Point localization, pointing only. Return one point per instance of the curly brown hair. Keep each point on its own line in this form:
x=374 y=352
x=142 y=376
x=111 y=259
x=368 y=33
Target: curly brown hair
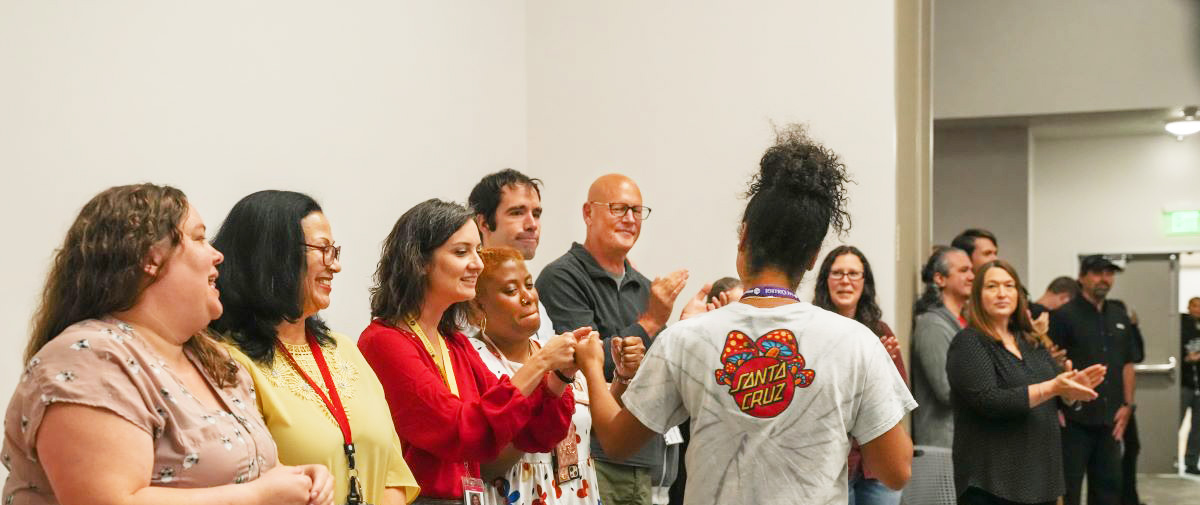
x=98 y=269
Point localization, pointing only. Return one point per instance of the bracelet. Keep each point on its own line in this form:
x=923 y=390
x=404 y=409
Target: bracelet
x=620 y=379
x=563 y=377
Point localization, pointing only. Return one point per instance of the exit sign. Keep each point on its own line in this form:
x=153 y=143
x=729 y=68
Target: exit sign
x=1183 y=222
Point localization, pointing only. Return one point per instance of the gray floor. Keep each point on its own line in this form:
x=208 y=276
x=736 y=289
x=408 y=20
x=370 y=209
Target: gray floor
x=1165 y=489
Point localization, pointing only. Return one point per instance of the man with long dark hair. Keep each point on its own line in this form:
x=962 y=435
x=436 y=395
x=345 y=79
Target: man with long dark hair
x=937 y=317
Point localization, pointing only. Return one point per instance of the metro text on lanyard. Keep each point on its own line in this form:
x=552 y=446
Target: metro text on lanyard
x=770 y=292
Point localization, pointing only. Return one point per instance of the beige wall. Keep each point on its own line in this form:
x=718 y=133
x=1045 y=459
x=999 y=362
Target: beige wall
x=1023 y=57
x=375 y=108
x=1106 y=194
x=681 y=96
x=370 y=110
x=981 y=180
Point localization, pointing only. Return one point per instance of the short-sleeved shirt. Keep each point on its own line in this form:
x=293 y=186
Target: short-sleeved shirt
x=1092 y=336
x=307 y=432
x=107 y=365
x=772 y=394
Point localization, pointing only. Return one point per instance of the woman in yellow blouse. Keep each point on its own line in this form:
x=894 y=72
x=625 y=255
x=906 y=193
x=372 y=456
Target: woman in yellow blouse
x=321 y=400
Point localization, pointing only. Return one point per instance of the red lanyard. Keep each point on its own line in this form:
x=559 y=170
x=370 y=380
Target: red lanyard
x=333 y=402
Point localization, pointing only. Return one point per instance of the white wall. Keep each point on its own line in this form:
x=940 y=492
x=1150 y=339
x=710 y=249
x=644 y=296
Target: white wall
x=375 y=108
x=1024 y=57
x=370 y=109
x=981 y=180
x=680 y=95
x=1106 y=194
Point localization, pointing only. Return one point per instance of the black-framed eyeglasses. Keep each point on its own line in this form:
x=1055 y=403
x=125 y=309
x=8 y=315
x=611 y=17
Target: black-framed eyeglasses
x=640 y=212
x=854 y=275
x=329 y=253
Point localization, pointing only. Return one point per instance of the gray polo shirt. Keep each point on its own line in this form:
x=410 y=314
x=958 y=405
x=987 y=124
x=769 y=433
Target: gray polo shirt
x=578 y=292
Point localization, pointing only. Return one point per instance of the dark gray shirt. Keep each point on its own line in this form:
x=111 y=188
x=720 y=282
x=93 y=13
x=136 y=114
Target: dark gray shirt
x=578 y=292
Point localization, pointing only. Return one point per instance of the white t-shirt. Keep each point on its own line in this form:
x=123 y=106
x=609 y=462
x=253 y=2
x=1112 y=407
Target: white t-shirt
x=772 y=394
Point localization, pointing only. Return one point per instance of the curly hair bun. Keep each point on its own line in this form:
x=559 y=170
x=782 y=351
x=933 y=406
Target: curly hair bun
x=798 y=194
x=801 y=166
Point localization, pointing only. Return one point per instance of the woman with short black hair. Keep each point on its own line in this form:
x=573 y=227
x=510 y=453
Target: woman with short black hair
x=280 y=261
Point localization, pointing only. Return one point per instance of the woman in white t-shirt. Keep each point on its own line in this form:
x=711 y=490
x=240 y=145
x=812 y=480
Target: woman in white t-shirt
x=507 y=304
x=772 y=385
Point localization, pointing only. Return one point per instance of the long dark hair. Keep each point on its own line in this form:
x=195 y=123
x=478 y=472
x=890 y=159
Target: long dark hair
x=931 y=297
x=867 y=311
x=402 y=276
x=98 y=269
x=1019 y=323
x=797 y=195
x=260 y=282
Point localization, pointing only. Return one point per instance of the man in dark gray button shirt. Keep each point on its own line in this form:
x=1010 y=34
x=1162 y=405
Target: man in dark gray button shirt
x=593 y=284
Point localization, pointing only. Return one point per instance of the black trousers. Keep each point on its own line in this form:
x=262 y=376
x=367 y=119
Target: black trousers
x=1133 y=446
x=976 y=496
x=1091 y=450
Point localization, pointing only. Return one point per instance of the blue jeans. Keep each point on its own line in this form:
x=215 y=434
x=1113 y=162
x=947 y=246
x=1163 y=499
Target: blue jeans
x=872 y=492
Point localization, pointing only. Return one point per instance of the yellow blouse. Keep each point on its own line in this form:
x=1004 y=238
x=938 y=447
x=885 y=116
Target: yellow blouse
x=307 y=433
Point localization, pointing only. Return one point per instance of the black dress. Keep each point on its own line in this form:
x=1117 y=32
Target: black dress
x=1002 y=446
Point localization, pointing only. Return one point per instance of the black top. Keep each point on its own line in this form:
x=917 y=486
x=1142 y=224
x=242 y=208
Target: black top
x=1001 y=445
x=1036 y=309
x=1089 y=337
x=577 y=292
x=1189 y=337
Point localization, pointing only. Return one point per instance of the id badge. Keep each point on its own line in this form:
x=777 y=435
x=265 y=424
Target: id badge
x=566 y=458
x=472 y=490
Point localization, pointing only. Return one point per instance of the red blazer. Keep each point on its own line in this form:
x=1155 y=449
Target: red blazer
x=444 y=436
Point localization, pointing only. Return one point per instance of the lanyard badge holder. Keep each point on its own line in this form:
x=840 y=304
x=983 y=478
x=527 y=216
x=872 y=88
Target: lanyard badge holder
x=333 y=402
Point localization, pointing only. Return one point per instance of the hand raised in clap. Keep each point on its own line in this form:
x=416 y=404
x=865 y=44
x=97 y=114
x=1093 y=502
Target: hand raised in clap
x=663 y=292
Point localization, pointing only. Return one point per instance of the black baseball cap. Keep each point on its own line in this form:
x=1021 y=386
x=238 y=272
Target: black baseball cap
x=1096 y=263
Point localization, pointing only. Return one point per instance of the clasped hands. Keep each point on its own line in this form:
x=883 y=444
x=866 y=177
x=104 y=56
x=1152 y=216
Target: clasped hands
x=583 y=349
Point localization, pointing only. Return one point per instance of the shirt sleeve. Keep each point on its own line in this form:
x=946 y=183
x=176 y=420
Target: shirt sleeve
x=398 y=473
x=930 y=344
x=654 y=397
x=565 y=300
x=972 y=371
x=884 y=399
x=93 y=368
x=550 y=421
x=1060 y=329
x=424 y=411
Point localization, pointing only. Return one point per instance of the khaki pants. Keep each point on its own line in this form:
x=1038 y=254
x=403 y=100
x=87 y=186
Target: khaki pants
x=622 y=484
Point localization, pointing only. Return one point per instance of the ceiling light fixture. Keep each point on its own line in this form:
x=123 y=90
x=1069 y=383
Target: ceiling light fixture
x=1187 y=125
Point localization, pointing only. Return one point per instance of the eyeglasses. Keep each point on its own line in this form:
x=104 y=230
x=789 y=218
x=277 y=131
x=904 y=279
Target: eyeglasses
x=329 y=253
x=640 y=212
x=854 y=275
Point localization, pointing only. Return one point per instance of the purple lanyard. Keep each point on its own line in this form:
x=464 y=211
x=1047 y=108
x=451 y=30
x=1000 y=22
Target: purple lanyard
x=770 y=292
